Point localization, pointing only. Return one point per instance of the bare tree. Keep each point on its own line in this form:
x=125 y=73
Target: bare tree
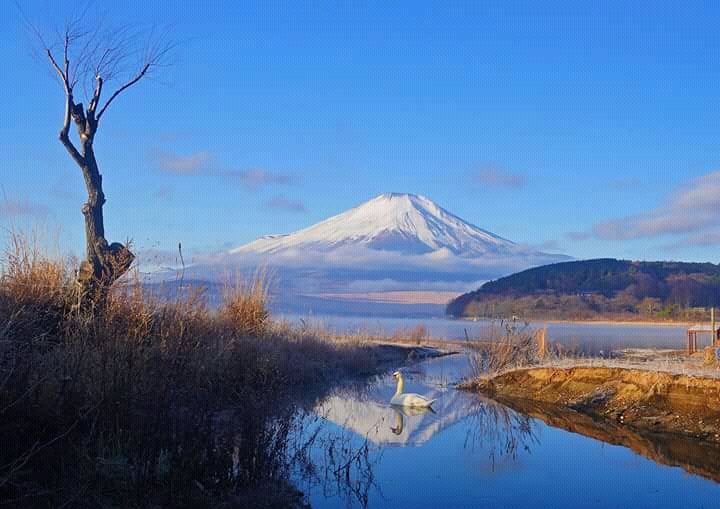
x=87 y=58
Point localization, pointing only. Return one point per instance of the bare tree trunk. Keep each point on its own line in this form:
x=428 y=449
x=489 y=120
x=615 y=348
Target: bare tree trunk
x=103 y=263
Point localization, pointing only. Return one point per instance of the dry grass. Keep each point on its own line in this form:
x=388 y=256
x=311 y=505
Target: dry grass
x=245 y=305
x=512 y=344
x=416 y=334
x=144 y=401
x=670 y=365
x=507 y=344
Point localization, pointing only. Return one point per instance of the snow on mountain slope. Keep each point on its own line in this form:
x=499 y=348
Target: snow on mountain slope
x=393 y=243
x=401 y=223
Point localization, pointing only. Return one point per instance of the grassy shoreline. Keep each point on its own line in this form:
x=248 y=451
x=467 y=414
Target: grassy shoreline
x=658 y=391
x=149 y=402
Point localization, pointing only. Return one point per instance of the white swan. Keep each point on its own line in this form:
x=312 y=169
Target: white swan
x=408 y=399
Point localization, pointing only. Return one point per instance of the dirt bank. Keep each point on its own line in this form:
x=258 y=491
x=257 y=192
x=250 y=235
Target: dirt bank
x=643 y=401
x=694 y=456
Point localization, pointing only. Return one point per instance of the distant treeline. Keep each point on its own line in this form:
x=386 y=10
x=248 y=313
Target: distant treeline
x=602 y=288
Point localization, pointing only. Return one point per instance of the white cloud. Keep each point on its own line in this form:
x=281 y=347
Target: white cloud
x=361 y=259
x=493 y=176
x=203 y=164
x=183 y=164
x=286 y=204
x=15 y=207
x=691 y=209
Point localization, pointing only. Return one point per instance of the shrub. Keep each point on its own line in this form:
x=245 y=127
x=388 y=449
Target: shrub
x=507 y=344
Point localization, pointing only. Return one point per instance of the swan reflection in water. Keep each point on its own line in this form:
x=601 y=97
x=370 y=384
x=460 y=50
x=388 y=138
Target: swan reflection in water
x=347 y=455
x=404 y=411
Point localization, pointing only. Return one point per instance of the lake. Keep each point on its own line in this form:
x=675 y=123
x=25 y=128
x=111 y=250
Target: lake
x=590 y=337
x=472 y=452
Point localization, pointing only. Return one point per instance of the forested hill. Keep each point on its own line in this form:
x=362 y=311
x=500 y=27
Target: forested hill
x=597 y=288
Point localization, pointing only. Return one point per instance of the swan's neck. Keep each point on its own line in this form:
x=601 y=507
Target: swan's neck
x=400 y=385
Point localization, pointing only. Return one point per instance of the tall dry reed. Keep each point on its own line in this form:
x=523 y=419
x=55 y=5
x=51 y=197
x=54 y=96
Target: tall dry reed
x=504 y=345
x=145 y=401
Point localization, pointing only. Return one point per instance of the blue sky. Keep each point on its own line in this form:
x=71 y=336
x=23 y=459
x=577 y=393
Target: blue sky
x=588 y=127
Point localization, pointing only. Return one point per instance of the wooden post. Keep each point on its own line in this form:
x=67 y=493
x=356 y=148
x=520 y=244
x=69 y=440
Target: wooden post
x=540 y=335
x=713 y=334
x=689 y=343
x=692 y=342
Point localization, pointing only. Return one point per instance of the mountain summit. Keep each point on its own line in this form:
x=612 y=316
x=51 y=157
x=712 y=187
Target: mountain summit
x=396 y=222
x=395 y=249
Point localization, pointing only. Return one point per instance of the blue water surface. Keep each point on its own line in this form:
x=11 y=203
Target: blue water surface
x=472 y=452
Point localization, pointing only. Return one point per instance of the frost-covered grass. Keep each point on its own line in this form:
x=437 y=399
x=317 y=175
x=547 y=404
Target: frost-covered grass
x=512 y=345
x=674 y=366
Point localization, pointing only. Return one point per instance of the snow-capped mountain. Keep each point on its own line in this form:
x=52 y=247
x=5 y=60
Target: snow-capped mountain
x=395 y=249
x=402 y=223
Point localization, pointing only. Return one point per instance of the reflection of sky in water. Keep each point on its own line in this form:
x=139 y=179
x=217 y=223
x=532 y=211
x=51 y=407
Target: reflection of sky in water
x=472 y=453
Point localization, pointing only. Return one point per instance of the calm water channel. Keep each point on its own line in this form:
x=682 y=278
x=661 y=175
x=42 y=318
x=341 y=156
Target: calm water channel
x=471 y=452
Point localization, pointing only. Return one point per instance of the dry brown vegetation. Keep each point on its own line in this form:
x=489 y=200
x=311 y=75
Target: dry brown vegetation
x=416 y=334
x=512 y=344
x=144 y=401
x=506 y=344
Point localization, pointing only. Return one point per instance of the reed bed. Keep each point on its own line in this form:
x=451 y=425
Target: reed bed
x=146 y=401
x=511 y=344
x=504 y=345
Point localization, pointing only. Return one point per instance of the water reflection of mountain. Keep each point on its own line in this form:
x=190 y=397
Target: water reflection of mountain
x=383 y=424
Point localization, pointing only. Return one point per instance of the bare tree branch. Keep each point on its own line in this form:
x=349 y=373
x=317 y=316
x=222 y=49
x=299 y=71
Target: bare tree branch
x=57 y=68
x=120 y=90
x=157 y=49
x=64 y=132
x=96 y=95
x=66 y=59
